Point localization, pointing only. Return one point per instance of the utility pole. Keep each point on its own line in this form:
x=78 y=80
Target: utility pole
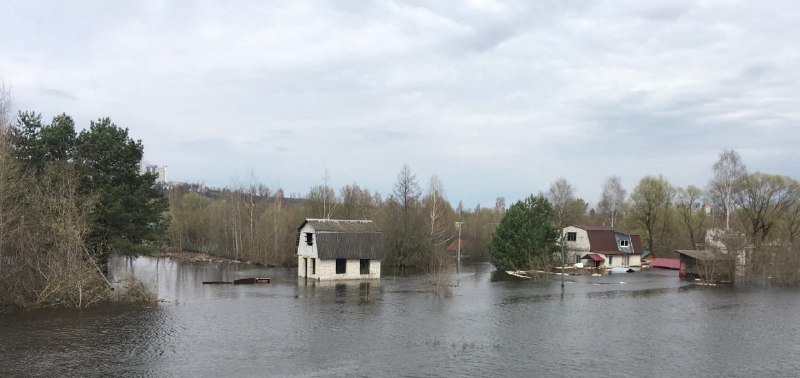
x=562 y=261
x=458 y=254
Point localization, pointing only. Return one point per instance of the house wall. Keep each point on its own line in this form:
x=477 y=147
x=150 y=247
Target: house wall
x=303 y=249
x=326 y=270
x=576 y=248
x=622 y=261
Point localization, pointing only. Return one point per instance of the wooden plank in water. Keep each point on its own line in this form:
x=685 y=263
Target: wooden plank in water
x=251 y=281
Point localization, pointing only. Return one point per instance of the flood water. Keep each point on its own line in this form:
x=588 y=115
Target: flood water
x=634 y=325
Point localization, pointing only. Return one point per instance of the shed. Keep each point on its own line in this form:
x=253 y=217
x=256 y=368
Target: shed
x=336 y=249
x=704 y=264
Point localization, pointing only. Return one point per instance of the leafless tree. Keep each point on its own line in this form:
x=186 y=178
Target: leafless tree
x=649 y=203
x=356 y=203
x=693 y=217
x=612 y=199
x=728 y=170
x=562 y=195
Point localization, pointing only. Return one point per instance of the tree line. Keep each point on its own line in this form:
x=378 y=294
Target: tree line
x=751 y=218
x=253 y=222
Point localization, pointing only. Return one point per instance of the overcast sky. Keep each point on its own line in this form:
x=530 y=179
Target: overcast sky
x=496 y=98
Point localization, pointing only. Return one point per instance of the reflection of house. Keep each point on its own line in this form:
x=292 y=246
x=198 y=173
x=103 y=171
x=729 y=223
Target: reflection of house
x=597 y=246
x=330 y=249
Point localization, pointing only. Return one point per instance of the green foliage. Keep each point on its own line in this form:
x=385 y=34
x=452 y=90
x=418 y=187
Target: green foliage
x=525 y=238
x=37 y=145
x=129 y=210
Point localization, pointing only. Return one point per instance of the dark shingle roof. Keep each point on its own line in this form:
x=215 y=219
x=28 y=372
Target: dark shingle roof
x=602 y=239
x=346 y=239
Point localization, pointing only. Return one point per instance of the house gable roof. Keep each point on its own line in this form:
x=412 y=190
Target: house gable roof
x=346 y=239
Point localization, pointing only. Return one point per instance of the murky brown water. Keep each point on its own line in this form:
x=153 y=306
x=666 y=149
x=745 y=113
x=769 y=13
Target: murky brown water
x=639 y=324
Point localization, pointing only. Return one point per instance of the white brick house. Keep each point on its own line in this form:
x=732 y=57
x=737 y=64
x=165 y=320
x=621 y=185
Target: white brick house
x=334 y=249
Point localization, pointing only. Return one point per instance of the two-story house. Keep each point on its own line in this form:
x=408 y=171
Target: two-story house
x=605 y=247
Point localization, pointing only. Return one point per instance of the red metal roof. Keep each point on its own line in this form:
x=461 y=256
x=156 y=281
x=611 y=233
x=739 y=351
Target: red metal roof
x=665 y=263
x=593 y=256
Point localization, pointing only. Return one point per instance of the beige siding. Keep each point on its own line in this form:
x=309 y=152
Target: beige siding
x=578 y=247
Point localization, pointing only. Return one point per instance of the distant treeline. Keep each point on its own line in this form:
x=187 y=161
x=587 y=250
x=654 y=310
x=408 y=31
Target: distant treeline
x=253 y=222
x=757 y=214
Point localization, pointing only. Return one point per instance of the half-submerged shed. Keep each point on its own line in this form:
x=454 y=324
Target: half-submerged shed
x=705 y=265
x=335 y=249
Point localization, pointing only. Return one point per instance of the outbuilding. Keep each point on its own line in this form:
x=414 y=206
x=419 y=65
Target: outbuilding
x=336 y=249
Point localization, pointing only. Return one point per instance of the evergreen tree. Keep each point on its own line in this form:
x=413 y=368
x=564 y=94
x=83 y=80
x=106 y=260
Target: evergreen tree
x=128 y=210
x=525 y=238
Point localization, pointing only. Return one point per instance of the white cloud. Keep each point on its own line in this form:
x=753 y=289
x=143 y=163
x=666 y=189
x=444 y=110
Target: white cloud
x=497 y=98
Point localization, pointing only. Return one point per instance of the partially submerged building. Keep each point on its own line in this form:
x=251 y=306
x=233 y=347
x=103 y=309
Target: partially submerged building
x=602 y=247
x=334 y=249
x=706 y=265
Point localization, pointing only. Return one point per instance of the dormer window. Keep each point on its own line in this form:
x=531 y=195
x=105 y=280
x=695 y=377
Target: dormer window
x=624 y=243
x=309 y=238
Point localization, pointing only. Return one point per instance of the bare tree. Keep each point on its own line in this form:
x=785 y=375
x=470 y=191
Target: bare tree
x=612 y=199
x=562 y=196
x=356 y=202
x=686 y=201
x=649 y=203
x=728 y=170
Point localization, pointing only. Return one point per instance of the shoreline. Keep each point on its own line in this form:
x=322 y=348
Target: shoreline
x=200 y=257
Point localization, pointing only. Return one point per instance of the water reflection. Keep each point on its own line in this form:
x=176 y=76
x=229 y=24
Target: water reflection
x=609 y=325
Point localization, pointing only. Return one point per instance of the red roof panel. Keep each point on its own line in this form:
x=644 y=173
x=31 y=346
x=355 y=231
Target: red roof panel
x=665 y=263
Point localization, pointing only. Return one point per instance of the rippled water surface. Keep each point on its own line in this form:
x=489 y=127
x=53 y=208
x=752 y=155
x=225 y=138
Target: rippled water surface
x=638 y=324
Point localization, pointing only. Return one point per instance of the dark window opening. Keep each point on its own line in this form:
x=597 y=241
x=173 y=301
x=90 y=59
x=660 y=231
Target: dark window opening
x=364 y=264
x=610 y=260
x=341 y=266
x=572 y=236
x=624 y=243
x=309 y=238
x=313 y=266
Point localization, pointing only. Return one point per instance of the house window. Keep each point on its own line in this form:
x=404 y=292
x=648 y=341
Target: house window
x=313 y=266
x=610 y=260
x=572 y=236
x=624 y=243
x=341 y=266
x=364 y=266
x=309 y=238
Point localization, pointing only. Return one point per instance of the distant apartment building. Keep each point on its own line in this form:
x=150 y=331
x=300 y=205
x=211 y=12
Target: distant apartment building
x=159 y=171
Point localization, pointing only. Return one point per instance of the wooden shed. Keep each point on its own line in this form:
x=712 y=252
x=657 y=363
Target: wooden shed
x=335 y=249
x=705 y=265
